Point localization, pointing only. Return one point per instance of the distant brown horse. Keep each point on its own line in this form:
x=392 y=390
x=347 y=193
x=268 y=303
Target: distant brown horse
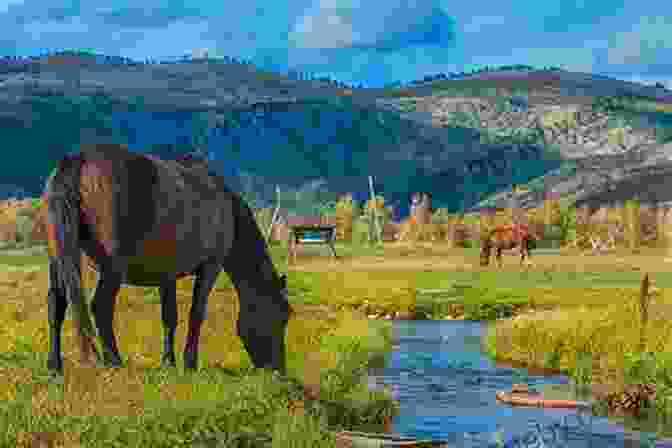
x=507 y=237
x=147 y=222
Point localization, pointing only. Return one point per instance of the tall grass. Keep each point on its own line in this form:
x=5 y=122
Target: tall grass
x=597 y=344
x=141 y=405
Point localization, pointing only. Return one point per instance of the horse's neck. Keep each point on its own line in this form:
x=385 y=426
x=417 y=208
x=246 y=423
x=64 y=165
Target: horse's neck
x=250 y=267
x=250 y=280
x=249 y=263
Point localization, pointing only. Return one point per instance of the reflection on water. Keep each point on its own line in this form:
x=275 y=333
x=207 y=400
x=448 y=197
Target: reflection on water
x=446 y=389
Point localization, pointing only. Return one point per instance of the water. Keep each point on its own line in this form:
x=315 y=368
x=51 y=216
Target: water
x=446 y=389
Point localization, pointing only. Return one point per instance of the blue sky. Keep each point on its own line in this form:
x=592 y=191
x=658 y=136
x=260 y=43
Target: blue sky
x=372 y=41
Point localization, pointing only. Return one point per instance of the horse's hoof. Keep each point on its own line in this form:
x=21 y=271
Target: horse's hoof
x=168 y=361
x=112 y=361
x=55 y=366
x=111 y=365
x=190 y=361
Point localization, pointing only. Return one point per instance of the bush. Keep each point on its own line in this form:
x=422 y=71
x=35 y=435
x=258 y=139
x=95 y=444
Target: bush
x=263 y=218
x=25 y=223
x=345 y=210
x=360 y=230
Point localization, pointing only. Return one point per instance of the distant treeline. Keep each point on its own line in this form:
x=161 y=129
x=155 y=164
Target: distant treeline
x=83 y=57
x=457 y=75
x=86 y=56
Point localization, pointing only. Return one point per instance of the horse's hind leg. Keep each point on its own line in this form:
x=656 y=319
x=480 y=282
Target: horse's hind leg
x=169 y=318
x=57 y=304
x=206 y=275
x=102 y=306
x=528 y=254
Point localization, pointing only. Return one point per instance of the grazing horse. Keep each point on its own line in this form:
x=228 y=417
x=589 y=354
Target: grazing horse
x=145 y=221
x=507 y=237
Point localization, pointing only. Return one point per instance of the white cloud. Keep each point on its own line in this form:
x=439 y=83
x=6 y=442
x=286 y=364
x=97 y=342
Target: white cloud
x=344 y=23
x=648 y=41
x=48 y=31
x=176 y=39
x=5 y=4
x=477 y=23
x=324 y=30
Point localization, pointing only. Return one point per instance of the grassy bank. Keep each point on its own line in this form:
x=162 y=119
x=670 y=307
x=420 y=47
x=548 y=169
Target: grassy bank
x=585 y=322
x=603 y=343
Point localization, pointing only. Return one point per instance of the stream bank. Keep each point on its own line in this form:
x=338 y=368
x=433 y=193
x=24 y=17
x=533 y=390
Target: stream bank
x=445 y=385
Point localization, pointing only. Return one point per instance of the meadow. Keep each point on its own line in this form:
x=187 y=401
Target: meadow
x=570 y=312
x=226 y=403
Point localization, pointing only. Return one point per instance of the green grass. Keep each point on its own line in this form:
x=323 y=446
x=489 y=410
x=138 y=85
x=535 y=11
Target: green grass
x=594 y=315
x=226 y=399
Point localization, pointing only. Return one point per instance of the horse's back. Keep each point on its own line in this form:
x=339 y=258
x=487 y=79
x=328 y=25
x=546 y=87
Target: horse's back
x=161 y=216
x=509 y=235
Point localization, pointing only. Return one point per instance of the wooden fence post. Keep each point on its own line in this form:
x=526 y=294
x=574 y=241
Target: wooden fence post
x=450 y=234
x=582 y=222
x=633 y=224
x=667 y=232
x=661 y=236
x=275 y=215
x=375 y=229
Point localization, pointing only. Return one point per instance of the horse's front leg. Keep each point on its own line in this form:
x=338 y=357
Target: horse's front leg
x=206 y=276
x=499 y=257
x=169 y=319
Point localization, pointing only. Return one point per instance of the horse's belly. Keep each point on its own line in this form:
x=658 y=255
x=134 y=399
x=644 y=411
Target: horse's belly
x=156 y=261
x=143 y=270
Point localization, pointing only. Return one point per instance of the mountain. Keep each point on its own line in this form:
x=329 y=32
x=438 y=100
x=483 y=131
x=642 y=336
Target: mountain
x=461 y=139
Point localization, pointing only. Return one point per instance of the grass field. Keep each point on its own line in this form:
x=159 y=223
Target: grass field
x=330 y=343
x=143 y=405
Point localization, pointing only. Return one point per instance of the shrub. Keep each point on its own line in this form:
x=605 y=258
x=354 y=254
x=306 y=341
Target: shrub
x=346 y=210
x=360 y=230
x=263 y=216
x=24 y=225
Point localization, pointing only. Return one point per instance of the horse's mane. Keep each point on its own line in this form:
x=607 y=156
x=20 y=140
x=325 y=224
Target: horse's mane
x=192 y=160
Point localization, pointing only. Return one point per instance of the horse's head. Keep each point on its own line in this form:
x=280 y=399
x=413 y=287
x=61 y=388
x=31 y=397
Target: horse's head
x=486 y=246
x=262 y=322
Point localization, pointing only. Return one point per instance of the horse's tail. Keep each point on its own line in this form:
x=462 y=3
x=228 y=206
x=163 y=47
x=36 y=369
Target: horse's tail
x=532 y=238
x=63 y=199
x=532 y=241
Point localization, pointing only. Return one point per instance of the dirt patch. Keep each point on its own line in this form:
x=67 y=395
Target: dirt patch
x=454 y=260
x=383 y=264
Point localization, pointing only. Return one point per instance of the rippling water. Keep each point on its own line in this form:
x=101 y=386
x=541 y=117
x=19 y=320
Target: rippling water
x=446 y=389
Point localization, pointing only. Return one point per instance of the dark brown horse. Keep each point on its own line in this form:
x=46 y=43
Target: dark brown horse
x=146 y=221
x=507 y=237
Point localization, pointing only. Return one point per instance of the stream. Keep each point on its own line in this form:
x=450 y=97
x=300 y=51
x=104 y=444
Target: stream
x=446 y=386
